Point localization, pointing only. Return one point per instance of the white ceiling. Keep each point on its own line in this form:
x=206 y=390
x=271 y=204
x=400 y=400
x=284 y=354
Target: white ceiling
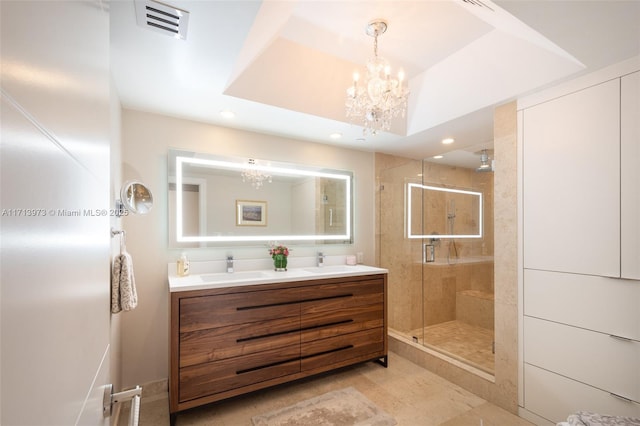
x=283 y=66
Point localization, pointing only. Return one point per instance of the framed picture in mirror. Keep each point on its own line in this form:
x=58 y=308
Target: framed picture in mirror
x=251 y=213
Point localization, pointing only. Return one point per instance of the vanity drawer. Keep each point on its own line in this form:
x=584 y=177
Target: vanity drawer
x=214 y=344
x=602 y=361
x=220 y=376
x=320 y=325
x=198 y=313
x=330 y=297
x=320 y=354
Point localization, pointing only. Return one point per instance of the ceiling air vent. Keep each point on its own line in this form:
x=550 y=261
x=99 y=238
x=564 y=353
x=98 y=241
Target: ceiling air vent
x=478 y=3
x=162 y=18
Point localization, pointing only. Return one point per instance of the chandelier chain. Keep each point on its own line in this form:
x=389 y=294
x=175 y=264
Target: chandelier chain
x=375 y=44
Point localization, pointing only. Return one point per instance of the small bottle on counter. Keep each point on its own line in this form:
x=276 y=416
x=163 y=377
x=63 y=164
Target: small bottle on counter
x=183 y=265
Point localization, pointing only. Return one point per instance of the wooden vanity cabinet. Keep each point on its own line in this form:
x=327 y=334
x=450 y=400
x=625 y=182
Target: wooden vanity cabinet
x=230 y=341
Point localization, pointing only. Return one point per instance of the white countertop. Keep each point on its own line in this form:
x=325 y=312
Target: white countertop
x=205 y=281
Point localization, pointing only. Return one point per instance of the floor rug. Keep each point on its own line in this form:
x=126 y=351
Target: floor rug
x=338 y=408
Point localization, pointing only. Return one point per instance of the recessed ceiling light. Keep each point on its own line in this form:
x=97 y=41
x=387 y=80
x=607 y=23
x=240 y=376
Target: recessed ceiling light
x=335 y=136
x=448 y=141
x=438 y=157
x=227 y=114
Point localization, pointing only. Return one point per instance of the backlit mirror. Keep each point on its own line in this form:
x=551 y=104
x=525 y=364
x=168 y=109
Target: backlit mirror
x=438 y=212
x=216 y=200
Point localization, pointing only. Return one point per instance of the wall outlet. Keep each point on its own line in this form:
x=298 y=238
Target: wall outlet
x=360 y=257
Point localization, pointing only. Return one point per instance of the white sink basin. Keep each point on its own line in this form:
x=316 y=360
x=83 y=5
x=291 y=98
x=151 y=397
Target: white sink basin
x=330 y=269
x=234 y=276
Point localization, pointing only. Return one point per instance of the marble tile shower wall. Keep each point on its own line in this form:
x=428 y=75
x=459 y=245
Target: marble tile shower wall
x=459 y=292
x=403 y=257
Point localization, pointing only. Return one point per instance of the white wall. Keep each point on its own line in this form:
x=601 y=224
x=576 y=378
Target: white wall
x=55 y=158
x=146 y=139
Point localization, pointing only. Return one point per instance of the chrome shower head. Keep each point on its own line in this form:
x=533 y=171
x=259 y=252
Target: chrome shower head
x=486 y=165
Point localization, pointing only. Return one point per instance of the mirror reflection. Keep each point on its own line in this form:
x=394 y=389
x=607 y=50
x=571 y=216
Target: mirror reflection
x=443 y=212
x=214 y=199
x=136 y=197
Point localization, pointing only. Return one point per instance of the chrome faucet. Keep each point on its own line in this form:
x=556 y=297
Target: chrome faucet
x=320 y=260
x=229 y=264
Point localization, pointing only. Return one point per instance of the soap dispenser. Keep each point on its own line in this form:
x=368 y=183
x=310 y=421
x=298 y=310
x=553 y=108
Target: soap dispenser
x=183 y=265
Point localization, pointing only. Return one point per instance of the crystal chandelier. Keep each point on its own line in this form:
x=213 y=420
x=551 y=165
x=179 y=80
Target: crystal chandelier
x=254 y=176
x=380 y=97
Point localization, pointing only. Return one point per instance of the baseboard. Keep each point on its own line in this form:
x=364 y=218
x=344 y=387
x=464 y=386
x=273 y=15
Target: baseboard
x=155 y=390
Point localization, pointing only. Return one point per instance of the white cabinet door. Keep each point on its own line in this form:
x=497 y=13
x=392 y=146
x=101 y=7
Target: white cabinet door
x=630 y=178
x=572 y=182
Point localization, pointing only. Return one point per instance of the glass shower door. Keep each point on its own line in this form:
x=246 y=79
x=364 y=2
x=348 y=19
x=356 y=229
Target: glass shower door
x=444 y=303
x=400 y=255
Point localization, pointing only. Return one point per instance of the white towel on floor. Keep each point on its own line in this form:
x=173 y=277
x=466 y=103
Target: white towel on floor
x=123 y=284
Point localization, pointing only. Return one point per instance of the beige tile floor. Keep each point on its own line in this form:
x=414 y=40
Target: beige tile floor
x=461 y=341
x=411 y=394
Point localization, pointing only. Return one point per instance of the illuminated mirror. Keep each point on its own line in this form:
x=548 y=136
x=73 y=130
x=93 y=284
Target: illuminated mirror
x=214 y=200
x=438 y=212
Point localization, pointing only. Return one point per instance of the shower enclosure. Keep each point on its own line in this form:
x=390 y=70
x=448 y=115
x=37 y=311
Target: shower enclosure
x=435 y=237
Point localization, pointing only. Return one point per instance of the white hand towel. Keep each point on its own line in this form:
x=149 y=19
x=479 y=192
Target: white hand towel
x=123 y=284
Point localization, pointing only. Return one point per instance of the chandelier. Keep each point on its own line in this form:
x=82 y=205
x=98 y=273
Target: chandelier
x=254 y=176
x=380 y=97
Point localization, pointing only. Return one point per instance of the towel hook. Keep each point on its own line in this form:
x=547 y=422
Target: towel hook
x=123 y=239
x=115 y=232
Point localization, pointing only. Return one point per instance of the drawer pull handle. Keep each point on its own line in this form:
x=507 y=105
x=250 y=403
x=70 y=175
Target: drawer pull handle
x=293 y=302
x=274 y=364
x=264 y=336
x=337 y=296
x=330 y=324
x=270 y=305
x=295 y=330
x=625 y=339
x=620 y=397
x=342 y=348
